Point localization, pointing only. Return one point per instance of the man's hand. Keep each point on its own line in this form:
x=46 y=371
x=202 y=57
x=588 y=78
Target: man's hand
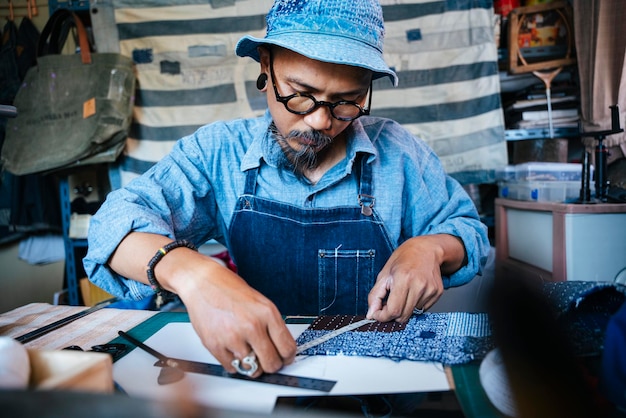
x=411 y=278
x=232 y=320
x=230 y=317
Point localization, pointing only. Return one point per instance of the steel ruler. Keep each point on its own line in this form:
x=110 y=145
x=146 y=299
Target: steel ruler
x=271 y=378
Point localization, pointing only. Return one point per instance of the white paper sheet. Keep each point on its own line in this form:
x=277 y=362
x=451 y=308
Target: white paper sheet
x=137 y=374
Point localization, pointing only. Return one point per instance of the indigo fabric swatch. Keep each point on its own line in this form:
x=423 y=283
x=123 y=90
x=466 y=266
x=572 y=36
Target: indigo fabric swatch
x=584 y=310
x=451 y=338
x=448 y=338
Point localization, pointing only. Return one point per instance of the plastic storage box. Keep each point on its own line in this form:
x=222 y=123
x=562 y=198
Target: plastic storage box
x=544 y=171
x=506 y=174
x=542 y=182
x=541 y=191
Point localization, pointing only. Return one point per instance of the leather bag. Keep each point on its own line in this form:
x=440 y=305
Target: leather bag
x=73 y=109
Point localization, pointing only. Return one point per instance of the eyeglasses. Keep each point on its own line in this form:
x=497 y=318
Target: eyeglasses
x=303 y=104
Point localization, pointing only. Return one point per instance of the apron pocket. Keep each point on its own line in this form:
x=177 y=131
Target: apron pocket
x=345 y=279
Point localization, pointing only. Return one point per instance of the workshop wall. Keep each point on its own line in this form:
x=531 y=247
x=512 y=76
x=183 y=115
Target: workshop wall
x=188 y=75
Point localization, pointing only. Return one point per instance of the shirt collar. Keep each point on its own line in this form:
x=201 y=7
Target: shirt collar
x=264 y=147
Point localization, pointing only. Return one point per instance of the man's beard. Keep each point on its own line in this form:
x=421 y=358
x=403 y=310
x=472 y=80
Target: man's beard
x=307 y=157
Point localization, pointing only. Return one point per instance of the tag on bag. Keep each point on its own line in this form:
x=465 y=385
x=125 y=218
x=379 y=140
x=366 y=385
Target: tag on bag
x=72 y=109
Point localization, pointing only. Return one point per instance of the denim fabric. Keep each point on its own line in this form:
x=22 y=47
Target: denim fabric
x=581 y=295
x=456 y=337
x=613 y=372
x=192 y=194
x=584 y=310
x=333 y=254
x=449 y=338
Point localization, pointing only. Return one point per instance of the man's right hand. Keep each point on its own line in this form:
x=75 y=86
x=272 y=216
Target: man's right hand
x=231 y=318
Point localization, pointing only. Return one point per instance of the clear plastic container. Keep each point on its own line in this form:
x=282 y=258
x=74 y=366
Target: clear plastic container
x=546 y=171
x=541 y=191
x=507 y=173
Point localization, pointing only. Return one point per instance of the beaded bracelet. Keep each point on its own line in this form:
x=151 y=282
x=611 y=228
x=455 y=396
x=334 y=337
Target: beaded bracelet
x=154 y=284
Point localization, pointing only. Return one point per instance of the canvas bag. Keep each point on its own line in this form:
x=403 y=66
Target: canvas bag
x=72 y=109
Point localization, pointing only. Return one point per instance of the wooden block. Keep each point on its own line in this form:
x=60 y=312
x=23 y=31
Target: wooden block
x=71 y=370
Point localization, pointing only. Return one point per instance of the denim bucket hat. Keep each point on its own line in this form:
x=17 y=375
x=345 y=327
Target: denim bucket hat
x=348 y=32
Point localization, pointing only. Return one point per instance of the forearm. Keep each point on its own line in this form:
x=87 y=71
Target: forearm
x=230 y=317
x=132 y=255
x=449 y=251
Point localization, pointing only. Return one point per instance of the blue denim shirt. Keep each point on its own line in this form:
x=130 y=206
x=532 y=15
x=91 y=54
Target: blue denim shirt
x=191 y=193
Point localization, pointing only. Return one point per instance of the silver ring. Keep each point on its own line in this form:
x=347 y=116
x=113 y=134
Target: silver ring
x=417 y=311
x=250 y=362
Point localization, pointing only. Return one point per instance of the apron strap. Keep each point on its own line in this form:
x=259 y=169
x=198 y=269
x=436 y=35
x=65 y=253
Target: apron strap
x=250 y=186
x=364 y=177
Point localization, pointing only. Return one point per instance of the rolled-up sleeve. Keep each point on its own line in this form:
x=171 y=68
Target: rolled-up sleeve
x=440 y=205
x=173 y=199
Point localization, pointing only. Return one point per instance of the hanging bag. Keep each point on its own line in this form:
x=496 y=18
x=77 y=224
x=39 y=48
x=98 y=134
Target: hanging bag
x=73 y=109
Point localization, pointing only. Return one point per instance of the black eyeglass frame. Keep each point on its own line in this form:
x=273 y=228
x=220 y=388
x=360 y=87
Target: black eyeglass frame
x=317 y=103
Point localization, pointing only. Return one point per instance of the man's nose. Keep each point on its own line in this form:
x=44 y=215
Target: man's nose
x=321 y=119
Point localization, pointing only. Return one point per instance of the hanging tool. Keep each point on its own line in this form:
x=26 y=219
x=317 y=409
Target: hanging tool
x=547 y=78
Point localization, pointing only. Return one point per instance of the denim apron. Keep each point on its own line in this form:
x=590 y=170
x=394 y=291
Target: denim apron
x=310 y=261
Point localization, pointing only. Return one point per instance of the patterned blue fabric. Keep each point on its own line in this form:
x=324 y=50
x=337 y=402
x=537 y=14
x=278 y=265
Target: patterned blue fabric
x=584 y=309
x=576 y=295
x=449 y=338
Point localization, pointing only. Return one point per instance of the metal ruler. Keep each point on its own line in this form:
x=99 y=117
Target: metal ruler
x=216 y=370
x=270 y=378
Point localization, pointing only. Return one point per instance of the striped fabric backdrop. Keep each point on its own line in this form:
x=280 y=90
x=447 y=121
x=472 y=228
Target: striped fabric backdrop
x=188 y=75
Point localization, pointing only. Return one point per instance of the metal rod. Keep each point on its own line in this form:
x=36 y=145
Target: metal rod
x=62 y=322
x=549 y=101
x=143 y=346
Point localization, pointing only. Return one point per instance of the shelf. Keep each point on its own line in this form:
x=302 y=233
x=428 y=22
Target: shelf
x=539 y=133
x=96 y=178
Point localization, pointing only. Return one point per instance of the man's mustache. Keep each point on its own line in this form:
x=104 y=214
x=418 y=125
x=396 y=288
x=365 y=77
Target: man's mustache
x=314 y=138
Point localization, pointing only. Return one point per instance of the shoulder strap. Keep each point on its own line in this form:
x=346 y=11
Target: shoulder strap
x=55 y=33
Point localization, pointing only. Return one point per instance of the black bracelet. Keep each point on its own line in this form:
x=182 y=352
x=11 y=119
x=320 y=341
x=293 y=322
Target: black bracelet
x=154 y=284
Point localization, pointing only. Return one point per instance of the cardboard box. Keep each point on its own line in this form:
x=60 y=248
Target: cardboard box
x=71 y=370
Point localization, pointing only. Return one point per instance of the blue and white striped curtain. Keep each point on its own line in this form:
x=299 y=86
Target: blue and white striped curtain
x=188 y=75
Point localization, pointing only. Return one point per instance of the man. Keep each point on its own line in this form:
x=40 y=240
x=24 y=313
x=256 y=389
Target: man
x=324 y=209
